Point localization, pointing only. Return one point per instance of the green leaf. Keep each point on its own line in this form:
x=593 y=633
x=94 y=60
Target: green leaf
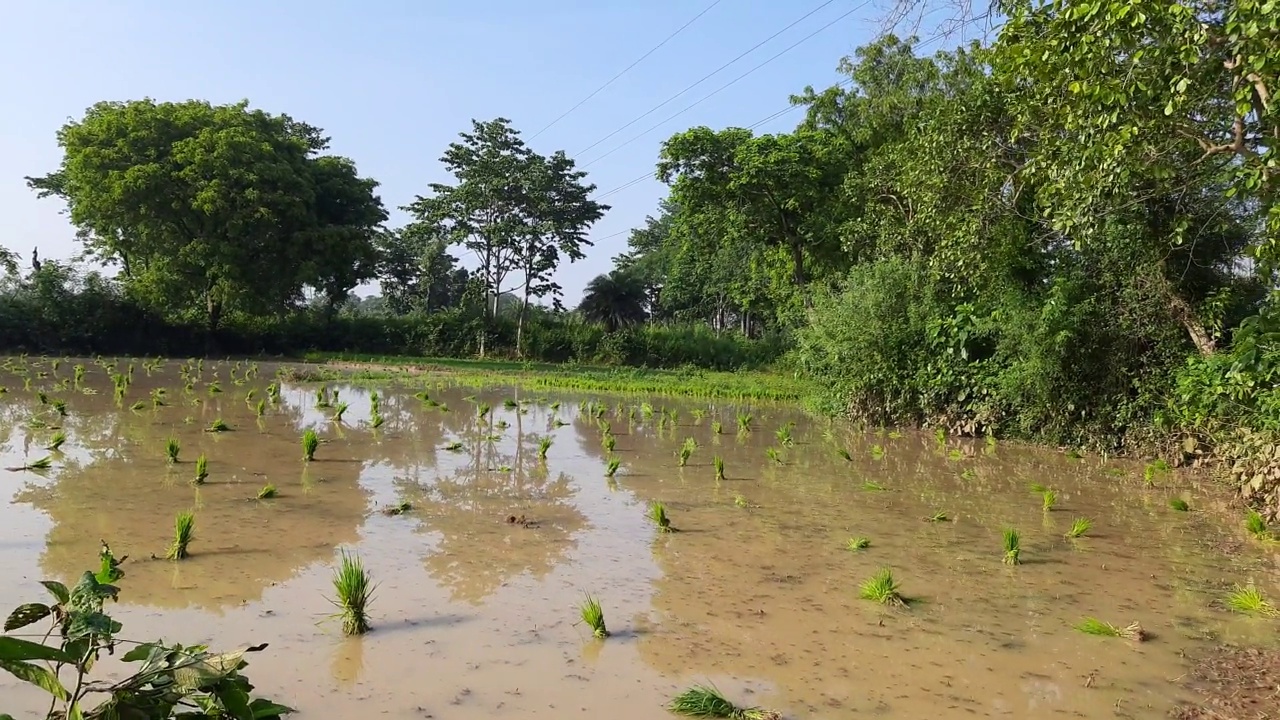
x=234 y=700
x=264 y=709
x=143 y=652
x=24 y=615
x=39 y=676
x=58 y=590
x=90 y=624
x=19 y=650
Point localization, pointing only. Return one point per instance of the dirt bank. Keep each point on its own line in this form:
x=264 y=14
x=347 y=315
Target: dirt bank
x=1234 y=683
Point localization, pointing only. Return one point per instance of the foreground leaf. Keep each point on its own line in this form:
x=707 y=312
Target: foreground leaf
x=58 y=590
x=24 y=615
x=39 y=676
x=18 y=650
x=264 y=709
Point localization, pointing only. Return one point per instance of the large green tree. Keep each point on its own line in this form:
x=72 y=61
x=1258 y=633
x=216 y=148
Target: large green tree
x=209 y=208
x=615 y=300
x=1160 y=105
x=516 y=211
x=559 y=211
x=418 y=274
x=772 y=191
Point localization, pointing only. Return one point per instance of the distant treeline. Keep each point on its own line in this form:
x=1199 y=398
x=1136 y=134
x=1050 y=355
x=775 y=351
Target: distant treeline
x=56 y=311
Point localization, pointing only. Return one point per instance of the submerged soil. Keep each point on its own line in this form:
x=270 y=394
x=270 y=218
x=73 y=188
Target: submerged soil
x=478 y=580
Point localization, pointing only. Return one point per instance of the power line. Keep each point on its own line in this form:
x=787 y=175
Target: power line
x=729 y=84
x=790 y=108
x=638 y=180
x=627 y=69
x=704 y=78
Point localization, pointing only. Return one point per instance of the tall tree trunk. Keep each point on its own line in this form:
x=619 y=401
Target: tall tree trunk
x=213 y=306
x=1184 y=314
x=1190 y=321
x=524 y=310
x=801 y=280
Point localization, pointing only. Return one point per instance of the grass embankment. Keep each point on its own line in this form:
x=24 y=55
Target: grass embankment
x=742 y=385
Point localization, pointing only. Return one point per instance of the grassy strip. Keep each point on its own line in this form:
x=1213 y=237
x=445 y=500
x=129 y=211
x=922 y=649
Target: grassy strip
x=746 y=385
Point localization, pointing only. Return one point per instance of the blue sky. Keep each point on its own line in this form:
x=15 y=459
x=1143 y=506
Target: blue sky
x=393 y=82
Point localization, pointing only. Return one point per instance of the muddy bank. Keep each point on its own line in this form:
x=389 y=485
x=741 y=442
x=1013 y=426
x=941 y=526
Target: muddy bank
x=1233 y=683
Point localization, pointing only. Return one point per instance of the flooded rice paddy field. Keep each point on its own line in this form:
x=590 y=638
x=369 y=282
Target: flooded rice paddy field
x=478 y=584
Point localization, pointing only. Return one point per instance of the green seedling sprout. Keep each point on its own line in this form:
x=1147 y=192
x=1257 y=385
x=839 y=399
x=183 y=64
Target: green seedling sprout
x=184 y=528
x=593 y=616
x=310 y=443
x=1012 y=547
x=353 y=590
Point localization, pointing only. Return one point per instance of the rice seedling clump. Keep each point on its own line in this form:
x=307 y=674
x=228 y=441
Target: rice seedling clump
x=184 y=531
x=310 y=443
x=1250 y=600
x=658 y=514
x=593 y=616
x=1012 y=547
x=1094 y=626
x=882 y=588
x=1079 y=527
x=705 y=701
x=353 y=588
x=1256 y=525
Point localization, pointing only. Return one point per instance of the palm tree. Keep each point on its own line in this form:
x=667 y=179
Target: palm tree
x=616 y=300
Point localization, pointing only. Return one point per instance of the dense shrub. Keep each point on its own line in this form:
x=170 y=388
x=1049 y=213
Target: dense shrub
x=1073 y=361
x=1227 y=406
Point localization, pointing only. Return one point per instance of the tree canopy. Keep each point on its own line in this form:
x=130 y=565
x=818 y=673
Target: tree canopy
x=519 y=213
x=217 y=207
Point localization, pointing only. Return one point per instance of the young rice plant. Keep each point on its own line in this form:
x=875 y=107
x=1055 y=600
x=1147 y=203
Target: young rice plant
x=184 y=529
x=593 y=615
x=353 y=589
x=1012 y=547
x=882 y=588
x=310 y=443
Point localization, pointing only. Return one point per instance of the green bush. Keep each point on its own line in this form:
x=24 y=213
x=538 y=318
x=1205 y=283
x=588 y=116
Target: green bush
x=1073 y=361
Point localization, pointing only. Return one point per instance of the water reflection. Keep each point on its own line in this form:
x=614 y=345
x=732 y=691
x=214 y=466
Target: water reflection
x=112 y=482
x=493 y=509
x=479 y=580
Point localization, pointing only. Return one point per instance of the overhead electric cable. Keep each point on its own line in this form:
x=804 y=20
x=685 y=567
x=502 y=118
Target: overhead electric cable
x=627 y=69
x=727 y=85
x=704 y=78
x=790 y=108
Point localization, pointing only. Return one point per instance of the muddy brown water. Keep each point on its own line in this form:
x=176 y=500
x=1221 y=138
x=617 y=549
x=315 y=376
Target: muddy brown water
x=474 y=616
